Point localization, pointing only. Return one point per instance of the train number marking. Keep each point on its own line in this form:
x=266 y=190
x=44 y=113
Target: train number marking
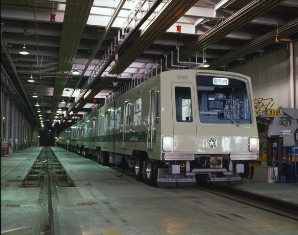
x=181 y=76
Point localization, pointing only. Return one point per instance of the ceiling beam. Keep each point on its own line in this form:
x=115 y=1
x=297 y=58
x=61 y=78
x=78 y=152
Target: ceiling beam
x=75 y=19
x=235 y=21
x=164 y=20
x=265 y=40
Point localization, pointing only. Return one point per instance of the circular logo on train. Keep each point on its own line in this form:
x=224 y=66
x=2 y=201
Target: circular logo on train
x=211 y=143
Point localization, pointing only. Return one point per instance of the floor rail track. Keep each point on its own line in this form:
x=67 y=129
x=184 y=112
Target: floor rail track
x=280 y=207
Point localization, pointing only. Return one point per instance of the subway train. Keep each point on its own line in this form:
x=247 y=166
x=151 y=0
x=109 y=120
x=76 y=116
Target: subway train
x=174 y=129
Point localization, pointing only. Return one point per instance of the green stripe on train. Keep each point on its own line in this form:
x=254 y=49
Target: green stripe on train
x=127 y=137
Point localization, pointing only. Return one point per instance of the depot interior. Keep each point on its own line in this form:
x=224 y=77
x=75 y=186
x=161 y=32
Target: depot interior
x=61 y=60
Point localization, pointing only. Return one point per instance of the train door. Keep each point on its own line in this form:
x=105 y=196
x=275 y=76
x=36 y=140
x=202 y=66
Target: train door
x=126 y=123
x=151 y=118
x=184 y=113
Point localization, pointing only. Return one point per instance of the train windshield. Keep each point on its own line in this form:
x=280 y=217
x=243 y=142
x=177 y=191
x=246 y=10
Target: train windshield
x=223 y=100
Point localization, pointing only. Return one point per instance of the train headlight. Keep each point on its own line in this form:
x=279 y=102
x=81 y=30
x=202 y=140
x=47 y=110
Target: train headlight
x=167 y=143
x=253 y=144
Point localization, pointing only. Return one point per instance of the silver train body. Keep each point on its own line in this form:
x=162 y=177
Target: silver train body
x=174 y=127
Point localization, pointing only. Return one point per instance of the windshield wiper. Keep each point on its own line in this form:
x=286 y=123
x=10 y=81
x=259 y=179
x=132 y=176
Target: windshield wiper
x=232 y=120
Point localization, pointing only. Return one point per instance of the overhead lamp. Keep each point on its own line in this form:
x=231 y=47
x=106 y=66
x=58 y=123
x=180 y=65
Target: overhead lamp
x=62 y=102
x=38 y=111
x=31 y=79
x=24 y=51
x=37 y=104
x=75 y=72
x=205 y=64
x=34 y=95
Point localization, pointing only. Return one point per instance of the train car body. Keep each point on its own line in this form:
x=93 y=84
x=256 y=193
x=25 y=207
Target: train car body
x=173 y=127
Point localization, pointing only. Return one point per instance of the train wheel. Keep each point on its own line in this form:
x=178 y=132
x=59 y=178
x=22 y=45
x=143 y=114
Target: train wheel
x=151 y=170
x=144 y=170
x=139 y=168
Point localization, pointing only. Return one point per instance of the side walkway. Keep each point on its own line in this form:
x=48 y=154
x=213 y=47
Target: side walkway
x=20 y=211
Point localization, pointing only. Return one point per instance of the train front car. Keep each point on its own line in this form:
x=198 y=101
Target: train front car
x=208 y=127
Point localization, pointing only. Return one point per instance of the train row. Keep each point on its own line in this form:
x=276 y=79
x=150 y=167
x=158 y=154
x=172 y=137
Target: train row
x=174 y=128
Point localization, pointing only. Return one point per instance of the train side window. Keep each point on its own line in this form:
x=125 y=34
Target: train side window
x=106 y=122
x=127 y=114
x=78 y=131
x=117 y=118
x=89 y=127
x=138 y=111
x=73 y=132
x=183 y=104
x=101 y=124
x=95 y=131
x=111 y=124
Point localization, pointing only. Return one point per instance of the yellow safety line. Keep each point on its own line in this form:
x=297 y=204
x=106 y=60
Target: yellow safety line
x=14 y=167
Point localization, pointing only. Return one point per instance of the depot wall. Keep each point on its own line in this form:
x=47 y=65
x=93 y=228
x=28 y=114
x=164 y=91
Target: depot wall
x=270 y=74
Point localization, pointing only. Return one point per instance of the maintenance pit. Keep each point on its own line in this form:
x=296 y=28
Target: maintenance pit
x=46 y=166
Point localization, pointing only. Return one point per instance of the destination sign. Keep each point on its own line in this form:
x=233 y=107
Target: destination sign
x=221 y=81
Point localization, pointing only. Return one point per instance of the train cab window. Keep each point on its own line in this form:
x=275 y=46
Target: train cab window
x=183 y=104
x=138 y=111
x=223 y=100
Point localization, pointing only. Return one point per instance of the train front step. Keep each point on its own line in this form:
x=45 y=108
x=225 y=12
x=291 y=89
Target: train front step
x=164 y=179
x=227 y=178
x=173 y=182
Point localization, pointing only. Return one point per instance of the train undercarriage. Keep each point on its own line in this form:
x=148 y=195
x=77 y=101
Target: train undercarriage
x=218 y=170
x=205 y=168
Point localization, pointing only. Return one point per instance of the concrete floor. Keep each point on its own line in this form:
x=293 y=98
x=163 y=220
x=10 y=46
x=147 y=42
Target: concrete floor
x=102 y=203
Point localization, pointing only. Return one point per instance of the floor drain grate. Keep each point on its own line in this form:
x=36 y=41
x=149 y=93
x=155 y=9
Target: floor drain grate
x=85 y=204
x=12 y=205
